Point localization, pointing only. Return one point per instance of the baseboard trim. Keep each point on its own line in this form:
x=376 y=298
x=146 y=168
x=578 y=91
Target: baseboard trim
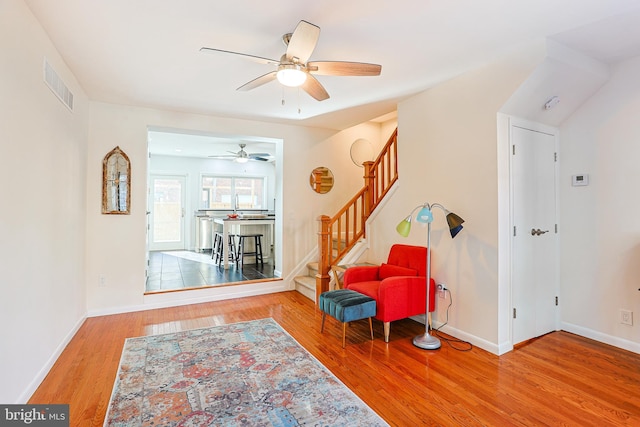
x=601 y=337
x=461 y=335
x=44 y=371
x=196 y=296
x=568 y=327
x=474 y=340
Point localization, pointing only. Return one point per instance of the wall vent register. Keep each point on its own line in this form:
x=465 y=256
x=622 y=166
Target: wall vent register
x=57 y=86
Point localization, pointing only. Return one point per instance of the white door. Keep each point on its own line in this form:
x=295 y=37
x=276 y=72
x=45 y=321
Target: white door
x=534 y=266
x=166 y=220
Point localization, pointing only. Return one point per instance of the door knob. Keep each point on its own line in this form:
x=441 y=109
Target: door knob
x=537 y=232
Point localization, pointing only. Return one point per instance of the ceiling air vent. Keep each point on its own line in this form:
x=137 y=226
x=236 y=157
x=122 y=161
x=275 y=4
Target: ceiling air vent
x=57 y=86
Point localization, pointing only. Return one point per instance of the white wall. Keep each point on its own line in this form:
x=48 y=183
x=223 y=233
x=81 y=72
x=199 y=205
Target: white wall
x=448 y=154
x=302 y=150
x=599 y=229
x=42 y=224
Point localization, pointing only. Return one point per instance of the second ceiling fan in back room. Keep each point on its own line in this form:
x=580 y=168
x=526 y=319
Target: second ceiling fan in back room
x=243 y=157
x=294 y=68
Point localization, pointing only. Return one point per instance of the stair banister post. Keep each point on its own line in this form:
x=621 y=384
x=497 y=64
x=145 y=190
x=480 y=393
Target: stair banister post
x=324 y=248
x=369 y=183
x=317 y=180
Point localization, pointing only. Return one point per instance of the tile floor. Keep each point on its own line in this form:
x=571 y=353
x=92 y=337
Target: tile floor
x=171 y=270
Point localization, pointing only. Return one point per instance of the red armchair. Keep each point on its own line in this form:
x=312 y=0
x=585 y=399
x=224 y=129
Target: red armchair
x=398 y=286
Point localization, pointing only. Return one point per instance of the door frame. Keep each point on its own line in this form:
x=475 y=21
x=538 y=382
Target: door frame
x=185 y=200
x=554 y=287
x=506 y=223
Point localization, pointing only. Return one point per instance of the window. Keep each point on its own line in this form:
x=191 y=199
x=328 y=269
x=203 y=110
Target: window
x=228 y=192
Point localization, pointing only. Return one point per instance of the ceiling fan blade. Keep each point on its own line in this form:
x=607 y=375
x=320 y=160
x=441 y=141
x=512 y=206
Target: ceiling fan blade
x=341 y=68
x=303 y=41
x=313 y=87
x=258 y=59
x=259 y=155
x=263 y=79
x=222 y=156
x=258 y=158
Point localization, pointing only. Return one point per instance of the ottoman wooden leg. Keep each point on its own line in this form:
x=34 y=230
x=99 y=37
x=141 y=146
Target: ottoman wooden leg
x=344 y=333
x=322 y=325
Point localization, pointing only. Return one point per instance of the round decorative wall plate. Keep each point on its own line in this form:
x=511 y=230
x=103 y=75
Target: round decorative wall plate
x=361 y=151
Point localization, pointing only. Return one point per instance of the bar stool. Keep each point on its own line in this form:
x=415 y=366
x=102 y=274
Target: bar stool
x=257 y=252
x=217 y=252
x=215 y=247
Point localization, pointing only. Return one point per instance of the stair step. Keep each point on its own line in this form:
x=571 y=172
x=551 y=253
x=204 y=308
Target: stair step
x=306 y=285
x=313 y=268
x=306 y=281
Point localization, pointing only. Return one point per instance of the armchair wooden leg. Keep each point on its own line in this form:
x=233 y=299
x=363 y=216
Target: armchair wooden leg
x=371 y=328
x=387 y=328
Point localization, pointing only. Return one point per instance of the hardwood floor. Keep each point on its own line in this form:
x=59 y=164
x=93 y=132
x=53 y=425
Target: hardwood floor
x=558 y=379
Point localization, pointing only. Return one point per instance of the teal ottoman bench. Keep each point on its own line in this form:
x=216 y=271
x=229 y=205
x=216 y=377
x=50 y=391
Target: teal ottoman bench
x=347 y=306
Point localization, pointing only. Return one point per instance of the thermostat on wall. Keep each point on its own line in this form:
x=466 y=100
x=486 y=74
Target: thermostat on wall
x=580 y=180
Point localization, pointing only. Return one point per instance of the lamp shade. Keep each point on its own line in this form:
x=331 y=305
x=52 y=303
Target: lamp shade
x=455 y=224
x=455 y=231
x=404 y=227
x=425 y=215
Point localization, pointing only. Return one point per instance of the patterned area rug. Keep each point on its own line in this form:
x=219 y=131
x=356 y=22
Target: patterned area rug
x=243 y=374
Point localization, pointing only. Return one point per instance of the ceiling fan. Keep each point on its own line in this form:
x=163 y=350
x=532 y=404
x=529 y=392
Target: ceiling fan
x=294 y=68
x=243 y=157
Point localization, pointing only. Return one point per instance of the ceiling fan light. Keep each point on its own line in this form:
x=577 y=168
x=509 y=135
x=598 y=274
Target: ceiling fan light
x=241 y=160
x=291 y=75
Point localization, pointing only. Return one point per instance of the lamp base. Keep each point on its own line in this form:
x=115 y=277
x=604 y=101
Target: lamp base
x=426 y=341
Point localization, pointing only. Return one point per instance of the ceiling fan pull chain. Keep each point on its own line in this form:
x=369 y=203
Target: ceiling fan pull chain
x=283 y=96
x=299 y=110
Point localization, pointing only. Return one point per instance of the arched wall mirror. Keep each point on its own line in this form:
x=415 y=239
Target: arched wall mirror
x=321 y=180
x=116 y=183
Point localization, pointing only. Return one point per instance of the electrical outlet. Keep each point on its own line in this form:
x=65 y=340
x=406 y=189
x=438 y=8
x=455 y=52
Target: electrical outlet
x=626 y=317
x=102 y=281
x=442 y=290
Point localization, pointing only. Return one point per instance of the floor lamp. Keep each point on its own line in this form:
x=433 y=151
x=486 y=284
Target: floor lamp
x=425 y=215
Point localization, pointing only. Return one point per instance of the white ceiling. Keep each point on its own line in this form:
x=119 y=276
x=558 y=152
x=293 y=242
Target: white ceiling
x=146 y=52
x=169 y=142
x=173 y=142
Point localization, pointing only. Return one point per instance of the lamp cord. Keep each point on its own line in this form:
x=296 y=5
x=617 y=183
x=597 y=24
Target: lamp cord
x=453 y=342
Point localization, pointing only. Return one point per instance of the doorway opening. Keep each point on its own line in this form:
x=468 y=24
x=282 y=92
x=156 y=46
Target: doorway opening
x=182 y=217
x=166 y=212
